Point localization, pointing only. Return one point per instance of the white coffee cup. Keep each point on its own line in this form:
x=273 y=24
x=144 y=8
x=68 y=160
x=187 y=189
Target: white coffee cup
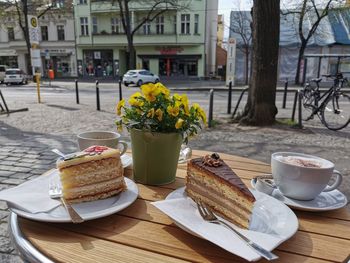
x=102 y=138
x=300 y=182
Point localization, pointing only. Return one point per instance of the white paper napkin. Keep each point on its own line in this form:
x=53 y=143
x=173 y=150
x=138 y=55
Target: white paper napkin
x=184 y=212
x=32 y=196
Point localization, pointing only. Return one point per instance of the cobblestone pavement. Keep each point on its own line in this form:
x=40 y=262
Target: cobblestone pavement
x=27 y=137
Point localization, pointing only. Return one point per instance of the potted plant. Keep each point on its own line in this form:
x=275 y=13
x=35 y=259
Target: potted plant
x=158 y=123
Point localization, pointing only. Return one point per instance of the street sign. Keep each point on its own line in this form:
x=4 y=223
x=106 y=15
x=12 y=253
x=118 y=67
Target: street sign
x=35 y=56
x=33 y=30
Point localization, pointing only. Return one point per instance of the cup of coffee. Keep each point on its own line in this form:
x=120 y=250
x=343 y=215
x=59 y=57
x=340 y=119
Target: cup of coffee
x=301 y=176
x=102 y=138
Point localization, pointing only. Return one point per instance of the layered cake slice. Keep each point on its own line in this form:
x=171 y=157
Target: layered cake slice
x=211 y=181
x=95 y=173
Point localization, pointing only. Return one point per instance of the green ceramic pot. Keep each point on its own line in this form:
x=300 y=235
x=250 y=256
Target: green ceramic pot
x=155 y=156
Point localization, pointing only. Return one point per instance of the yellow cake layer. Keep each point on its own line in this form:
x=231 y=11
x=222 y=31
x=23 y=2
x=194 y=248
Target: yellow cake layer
x=91 y=172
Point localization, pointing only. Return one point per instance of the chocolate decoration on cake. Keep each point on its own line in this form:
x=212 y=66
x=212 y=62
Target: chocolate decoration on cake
x=212 y=160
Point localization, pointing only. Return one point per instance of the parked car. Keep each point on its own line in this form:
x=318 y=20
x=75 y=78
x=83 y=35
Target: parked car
x=139 y=77
x=15 y=76
x=2 y=73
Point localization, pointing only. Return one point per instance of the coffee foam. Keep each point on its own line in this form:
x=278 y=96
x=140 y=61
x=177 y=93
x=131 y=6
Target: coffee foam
x=302 y=161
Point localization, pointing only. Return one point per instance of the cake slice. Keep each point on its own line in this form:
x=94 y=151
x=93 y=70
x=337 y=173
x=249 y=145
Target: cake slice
x=211 y=181
x=95 y=173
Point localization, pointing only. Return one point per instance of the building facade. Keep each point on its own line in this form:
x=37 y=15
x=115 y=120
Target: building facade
x=57 y=42
x=175 y=44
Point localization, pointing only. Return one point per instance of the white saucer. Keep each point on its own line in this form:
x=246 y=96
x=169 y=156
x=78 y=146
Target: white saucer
x=325 y=201
x=126 y=160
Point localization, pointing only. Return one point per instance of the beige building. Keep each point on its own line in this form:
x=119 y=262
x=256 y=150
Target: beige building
x=220 y=30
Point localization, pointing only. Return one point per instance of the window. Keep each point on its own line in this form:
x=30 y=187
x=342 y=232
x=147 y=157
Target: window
x=175 y=24
x=10 y=33
x=160 y=25
x=84 y=26
x=83 y=2
x=58 y=3
x=115 y=25
x=60 y=32
x=185 y=24
x=94 y=25
x=147 y=28
x=44 y=33
x=196 y=23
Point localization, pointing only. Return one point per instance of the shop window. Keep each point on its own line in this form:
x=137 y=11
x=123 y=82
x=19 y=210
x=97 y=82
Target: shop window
x=196 y=23
x=94 y=25
x=115 y=25
x=10 y=33
x=44 y=33
x=147 y=28
x=160 y=25
x=60 y=32
x=84 y=26
x=185 y=24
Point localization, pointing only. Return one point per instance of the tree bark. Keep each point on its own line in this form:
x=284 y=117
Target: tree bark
x=300 y=57
x=246 y=65
x=260 y=108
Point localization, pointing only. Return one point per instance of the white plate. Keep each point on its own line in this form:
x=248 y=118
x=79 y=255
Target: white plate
x=126 y=160
x=325 y=201
x=87 y=210
x=272 y=223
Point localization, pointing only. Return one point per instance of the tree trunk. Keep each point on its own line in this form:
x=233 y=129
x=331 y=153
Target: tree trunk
x=131 y=54
x=300 y=57
x=246 y=65
x=260 y=108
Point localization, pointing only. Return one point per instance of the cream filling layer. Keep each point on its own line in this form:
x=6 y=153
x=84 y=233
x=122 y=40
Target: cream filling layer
x=93 y=189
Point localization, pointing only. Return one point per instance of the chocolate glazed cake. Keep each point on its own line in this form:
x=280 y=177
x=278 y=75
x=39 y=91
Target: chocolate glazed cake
x=211 y=181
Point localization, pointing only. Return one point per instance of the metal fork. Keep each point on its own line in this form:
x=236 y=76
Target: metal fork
x=208 y=216
x=55 y=191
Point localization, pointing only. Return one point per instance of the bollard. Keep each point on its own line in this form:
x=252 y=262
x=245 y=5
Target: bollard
x=211 y=102
x=3 y=100
x=120 y=90
x=76 y=91
x=229 y=98
x=285 y=94
x=295 y=104
x=97 y=96
x=300 y=114
x=239 y=101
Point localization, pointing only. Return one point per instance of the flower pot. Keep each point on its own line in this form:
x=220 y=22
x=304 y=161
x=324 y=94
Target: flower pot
x=155 y=156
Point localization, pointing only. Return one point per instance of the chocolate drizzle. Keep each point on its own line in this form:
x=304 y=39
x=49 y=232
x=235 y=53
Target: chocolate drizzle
x=225 y=173
x=212 y=160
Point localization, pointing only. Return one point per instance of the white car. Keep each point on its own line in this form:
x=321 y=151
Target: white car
x=139 y=77
x=15 y=76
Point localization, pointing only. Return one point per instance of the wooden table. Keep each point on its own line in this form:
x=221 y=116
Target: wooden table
x=141 y=233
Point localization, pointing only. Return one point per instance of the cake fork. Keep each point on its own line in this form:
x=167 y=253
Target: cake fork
x=209 y=216
x=55 y=191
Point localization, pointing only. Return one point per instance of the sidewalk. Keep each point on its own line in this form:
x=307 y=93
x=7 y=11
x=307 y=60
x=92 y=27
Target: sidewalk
x=26 y=139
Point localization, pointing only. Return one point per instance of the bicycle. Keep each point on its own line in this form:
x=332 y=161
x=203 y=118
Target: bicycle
x=332 y=107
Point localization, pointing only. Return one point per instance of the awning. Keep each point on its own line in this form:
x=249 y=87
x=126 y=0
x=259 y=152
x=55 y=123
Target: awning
x=8 y=53
x=170 y=56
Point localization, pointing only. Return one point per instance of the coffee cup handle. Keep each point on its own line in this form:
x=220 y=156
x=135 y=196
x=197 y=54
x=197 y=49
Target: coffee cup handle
x=336 y=183
x=125 y=147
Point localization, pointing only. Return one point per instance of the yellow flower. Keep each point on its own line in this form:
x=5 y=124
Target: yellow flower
x=133 y=101
x=150 y=113
x=159 y=114
x=173 y=111
x=163 y=89
x=139 y=111
x=121 y=104
x=184 y=101
x=150 y=91
x=119 y=126
x=179 y=123
x=177 y=97
x=136 y=95
x=200 y=112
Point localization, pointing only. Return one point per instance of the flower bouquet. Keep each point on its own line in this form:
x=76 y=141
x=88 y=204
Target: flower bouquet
x=158 y=123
